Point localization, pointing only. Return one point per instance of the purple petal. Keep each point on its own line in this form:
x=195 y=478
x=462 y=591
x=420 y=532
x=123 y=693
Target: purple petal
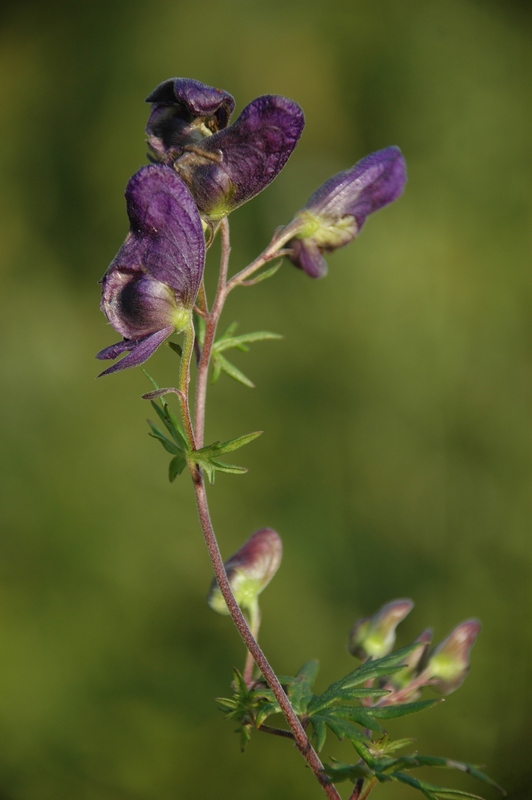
x=166 y=236
x=114 y=350
x=136 y=304
x=195 y=98
x=140 y=352
x=307 y=256
x=185 y=111
x=371 y=184
x=231 y=167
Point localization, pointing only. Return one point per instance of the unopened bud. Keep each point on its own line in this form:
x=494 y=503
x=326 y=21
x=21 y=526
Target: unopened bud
x=249 y=570
x=374 y=637
x=448 y=664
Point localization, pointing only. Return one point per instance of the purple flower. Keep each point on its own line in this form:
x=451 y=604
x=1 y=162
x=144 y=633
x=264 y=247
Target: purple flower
x=183 y=112
x=336 y=212
x=150 y=287
x=230 y=167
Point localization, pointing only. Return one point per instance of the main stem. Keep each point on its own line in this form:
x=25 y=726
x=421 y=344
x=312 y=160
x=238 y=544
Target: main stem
x=300 y=737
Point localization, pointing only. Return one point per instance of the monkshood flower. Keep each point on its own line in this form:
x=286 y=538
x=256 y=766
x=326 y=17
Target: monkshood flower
x=374 y=637
x=183 y=112
x=150 y=287
x=447 y=666
x=233 y=165
x=336 y=212
x=249 y=570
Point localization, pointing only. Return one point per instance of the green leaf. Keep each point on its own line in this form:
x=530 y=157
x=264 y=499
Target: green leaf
x=241 y=342
x=169 y=446
x=176 y=348
x=221 y=364
x=359 y=714
x=320 y=733
x=221 y=448
x=328 y=699
x=300 y=692
x=434 y=792
x=176 y=467
x=411 y=762
x=266 y=711
x=339 y=772
x=341 y=728
x=231 y=469
x=199 y=328
x=264 y=275
x=402 y=709
x=366 y=755
x=171 y=424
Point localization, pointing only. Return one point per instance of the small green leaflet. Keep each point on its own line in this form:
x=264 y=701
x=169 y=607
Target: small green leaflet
x=228 y=341
x=207 y=457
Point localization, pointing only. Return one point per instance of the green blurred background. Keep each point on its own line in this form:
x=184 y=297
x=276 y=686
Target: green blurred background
x=396 y=459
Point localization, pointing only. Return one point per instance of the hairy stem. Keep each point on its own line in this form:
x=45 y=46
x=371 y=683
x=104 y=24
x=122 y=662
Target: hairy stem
x=300 y=737
x=254 y=626
x=184 y=381
x=297 y=731
x=210 y=333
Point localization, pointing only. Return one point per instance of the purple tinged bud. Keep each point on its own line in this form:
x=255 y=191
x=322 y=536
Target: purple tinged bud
x=249 y=570
x=374 y=637
x=232 y=166
x=151 y=285
x=183 y=112
x=447 y=666
x=336 y=212
x=401 y=680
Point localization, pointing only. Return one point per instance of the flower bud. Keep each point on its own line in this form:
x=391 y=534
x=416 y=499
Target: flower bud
x=448 y=664
x=374 y=637
x=249 y=570
x=336 y=212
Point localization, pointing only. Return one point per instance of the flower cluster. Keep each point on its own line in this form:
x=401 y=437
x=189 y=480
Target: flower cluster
x=203 y=168
x=444 y=668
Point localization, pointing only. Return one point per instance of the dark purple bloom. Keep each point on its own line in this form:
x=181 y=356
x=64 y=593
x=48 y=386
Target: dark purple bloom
x=230 y=167
x=151 y=285
x=336 y=212
x=183 y=112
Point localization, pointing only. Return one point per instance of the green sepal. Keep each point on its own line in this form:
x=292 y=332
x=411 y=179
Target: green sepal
x=176 y=467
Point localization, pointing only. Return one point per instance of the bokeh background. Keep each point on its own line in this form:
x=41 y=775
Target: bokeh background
x=397 y=453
